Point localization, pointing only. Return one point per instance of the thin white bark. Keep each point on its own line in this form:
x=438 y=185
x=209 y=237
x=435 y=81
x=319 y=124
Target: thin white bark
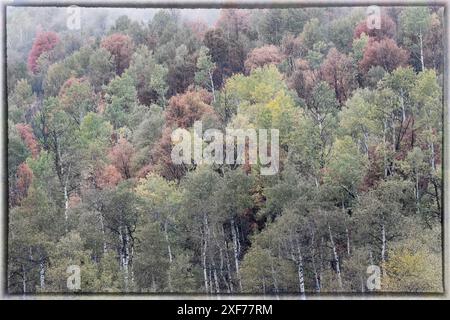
x=42 y=274
x=422 y=64
x=169 y=252
x=204 y=248
x=235 y=251
x=24 y=279
x=383 y=244
x=313 y=260
x=336 y=259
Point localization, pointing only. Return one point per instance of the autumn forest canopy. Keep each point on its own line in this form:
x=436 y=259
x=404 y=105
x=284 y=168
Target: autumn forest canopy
x=91 y=182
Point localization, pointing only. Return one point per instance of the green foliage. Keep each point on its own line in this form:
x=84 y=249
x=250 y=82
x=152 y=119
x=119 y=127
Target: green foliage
x=92 y=184
x=121 y=98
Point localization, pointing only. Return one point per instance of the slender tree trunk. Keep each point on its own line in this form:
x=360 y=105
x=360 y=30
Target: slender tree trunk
x=221 y=266
x=169 y=252
x=385 y=149
x=102 y=225
x=124 y=257
x=402 y=103
x=417 y=192
x=204 y=249
x=300 y=270
x=336 y=259
x=227 y=260
x=383 y=244
x=348 y=241
x=216 y=279
x=24 y=280
x=42 y=274
x=212 y=86
x=235 y=251
x=66 y=200
x=66 y=208
x=313 y=260
x=422 y=64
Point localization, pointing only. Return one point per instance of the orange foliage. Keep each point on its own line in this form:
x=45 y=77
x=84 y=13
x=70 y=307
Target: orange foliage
x=184 y=109
x=384 y=53
x=120 y=156
x=108 y=177
x=259 y=57
x=27 y=135
x=24 y=180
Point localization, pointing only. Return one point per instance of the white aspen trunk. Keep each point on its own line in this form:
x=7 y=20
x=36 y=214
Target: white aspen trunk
x=422 y=64
x=204 y=248
x=393 y=146
x=42 y=274
x=120 y=249
x=393 y=135
x=123 y=255
x=383 y=244
x=402 y=103
x=153 y=283
x=66 y=201
x=348 y=241
x=301 y=276
x=102 y=225
x=216 y=279
x=299 y=262
x=366 y=147
x=222 y=275
x=66 y=207
x=336 y=259
x=230 y=279
x=235 y=251
x=24 y=280
x=417 y=192
x=212 y=86
x=131 y=266
x=238 y=239
x=66 y=195
x=433 y=157
x=385 y=149
x=211 y=289
x=433 y=154
x=125 y=263
x=227 y=260
x=313 y=260
x=169 y=252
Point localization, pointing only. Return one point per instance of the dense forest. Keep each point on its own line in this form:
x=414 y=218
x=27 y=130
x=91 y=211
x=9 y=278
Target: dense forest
x=91 y=182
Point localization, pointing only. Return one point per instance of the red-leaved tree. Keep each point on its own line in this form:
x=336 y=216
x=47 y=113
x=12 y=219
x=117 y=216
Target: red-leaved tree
x=387 y=28
x=120 y=156
x=184 y=109
x=121 y=48
x=44 y=41
x=108 y=176
x=384 y=53
x=161 y=158
x=27 y=135
x=338 y=70
x=259 y=57
x=23 y=182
